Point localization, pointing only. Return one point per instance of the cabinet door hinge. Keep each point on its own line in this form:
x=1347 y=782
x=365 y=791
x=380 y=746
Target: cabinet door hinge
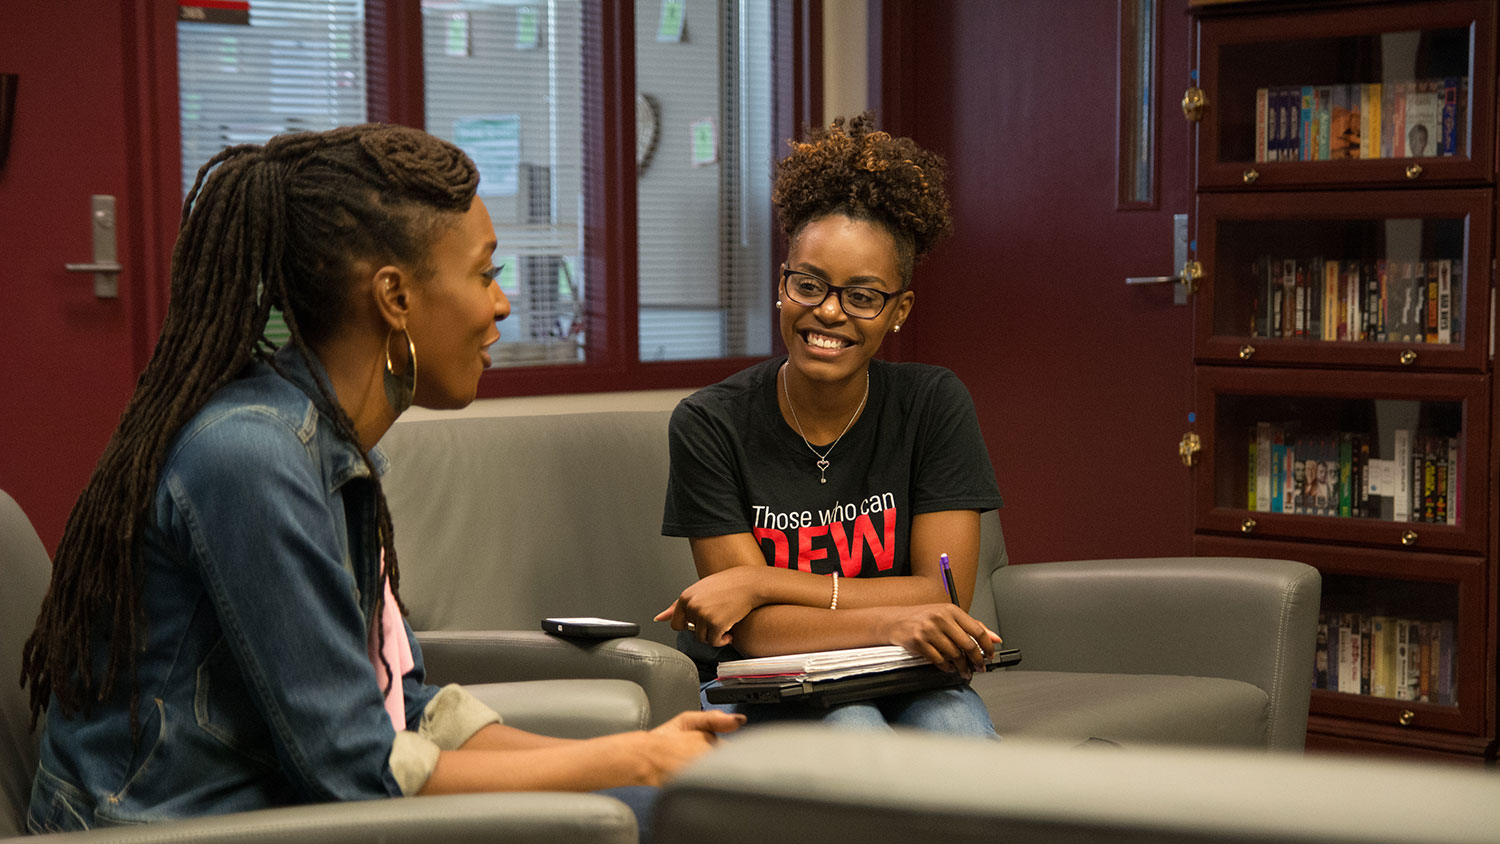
x=1188 y=448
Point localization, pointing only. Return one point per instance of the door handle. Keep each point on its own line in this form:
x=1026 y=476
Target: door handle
x=105 y=266
x=1185 y=279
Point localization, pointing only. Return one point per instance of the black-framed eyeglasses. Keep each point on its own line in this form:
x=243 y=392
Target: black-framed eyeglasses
x=811 y=291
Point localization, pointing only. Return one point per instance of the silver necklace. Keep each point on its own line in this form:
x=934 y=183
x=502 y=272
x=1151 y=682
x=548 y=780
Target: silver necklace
x=822 y=458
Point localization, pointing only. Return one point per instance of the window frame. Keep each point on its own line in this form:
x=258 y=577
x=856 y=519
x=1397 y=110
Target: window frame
x=395 y=80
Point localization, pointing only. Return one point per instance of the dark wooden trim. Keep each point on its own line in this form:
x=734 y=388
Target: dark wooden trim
x=393 y=62
x=153 y=137
x=1123 y=202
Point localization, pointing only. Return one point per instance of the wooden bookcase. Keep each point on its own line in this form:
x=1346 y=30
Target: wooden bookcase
x=1312 y=343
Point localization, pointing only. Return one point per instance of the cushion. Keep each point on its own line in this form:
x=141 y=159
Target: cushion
x=1125 y=708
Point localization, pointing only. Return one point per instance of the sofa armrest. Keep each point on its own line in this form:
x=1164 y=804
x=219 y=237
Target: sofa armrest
x=668 y=677
x=916 y=787
x=1239 y=618
x=568 y=708
x=534 y=817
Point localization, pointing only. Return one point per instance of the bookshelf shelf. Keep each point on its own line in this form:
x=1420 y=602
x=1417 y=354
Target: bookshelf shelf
x=1344 y=380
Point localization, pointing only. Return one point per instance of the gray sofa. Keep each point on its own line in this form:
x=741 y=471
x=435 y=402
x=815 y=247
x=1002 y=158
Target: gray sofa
x=567 y=708
x=914 y=788
x=503 y=520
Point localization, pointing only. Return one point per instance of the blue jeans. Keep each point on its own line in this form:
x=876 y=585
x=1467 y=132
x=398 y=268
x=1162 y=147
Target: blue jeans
x=957 y=710
x=642 y=801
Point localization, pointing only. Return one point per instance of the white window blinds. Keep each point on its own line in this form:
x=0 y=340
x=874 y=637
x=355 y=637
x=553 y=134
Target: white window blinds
x=504 y=81
x=704 y=215
x=292 y=65
x=297 y=65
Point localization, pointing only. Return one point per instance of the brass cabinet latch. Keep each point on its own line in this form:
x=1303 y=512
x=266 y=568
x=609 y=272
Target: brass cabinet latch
x=1193 y=103
x=1188 y=449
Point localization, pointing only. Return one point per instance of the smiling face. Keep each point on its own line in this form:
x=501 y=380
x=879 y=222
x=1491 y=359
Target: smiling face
x=454 y=311
x=824 y=343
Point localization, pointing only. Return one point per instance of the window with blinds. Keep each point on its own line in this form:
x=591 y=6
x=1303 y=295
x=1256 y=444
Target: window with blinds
x=287 y=66
x=703 y=71
x=504 y=81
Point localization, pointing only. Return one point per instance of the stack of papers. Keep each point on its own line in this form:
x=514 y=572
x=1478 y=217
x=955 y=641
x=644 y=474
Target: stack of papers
x=820 y=665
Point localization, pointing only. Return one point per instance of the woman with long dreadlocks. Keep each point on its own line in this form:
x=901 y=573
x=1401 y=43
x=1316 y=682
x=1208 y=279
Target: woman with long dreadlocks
x=223 y=629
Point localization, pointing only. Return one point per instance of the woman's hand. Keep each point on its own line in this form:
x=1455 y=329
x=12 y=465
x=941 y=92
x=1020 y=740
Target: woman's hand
x=950 y=638
x=664 y=751
x=715 y=604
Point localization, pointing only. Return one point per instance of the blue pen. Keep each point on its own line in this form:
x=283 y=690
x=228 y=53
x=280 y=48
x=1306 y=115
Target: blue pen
x=948 y=579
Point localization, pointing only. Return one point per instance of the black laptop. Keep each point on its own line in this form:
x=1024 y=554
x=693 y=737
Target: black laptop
x=826 y=693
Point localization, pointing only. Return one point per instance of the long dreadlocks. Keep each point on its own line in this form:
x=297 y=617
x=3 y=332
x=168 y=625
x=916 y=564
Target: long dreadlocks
x=263 y=226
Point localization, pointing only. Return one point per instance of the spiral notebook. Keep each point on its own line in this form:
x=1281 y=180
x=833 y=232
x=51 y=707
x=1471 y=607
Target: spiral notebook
x=830 y=678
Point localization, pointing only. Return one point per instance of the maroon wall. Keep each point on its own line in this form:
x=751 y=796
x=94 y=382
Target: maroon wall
x=1082 y=384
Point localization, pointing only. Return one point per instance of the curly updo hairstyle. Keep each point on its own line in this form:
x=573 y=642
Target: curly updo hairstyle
x=852 y=168
x=281 y=226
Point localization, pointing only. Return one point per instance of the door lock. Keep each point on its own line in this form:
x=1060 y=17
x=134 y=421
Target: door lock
x=106 y=265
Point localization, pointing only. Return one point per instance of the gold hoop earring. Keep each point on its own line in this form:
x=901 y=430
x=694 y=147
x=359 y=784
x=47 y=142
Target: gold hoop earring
x=400 y=389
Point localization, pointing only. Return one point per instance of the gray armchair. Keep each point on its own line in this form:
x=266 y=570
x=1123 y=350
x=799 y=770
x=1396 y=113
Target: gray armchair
x=603 y=706
x=841 y=787
x=1189 y=650
x=503 y=521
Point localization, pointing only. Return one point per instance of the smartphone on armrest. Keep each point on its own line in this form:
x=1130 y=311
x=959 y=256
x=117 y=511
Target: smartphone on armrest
x=589 y=628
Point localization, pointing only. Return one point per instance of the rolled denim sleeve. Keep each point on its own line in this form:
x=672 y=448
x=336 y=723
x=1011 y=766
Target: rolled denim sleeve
x=267 y=532
x=449 y=720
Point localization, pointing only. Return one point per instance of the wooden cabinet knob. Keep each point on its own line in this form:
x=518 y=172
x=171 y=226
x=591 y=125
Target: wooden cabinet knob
x=1406 y=718
x=1250 y=176
x=1408 y=357
x=1247 y=352
x=1408 y=537
x=1413 y=171
x=1247 y=526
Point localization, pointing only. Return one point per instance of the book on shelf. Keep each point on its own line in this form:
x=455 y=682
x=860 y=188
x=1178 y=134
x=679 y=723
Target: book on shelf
x=1320 y=656
x=1429 y=269
x=1444 y=301
x=1343 y=126
x=1262 y=467
x=1398 y=688
x=1423 y=127
x=1384 y=655
x=1453 y=486
x=1397 y=119
x=1413 y=680
x=1400 y=460
x=1365 y=625
x=1276 y=490
x=1348 y=653
x=1261 y=98
x=1448 y=117
x=1403 y=475
x=1323 y=121
x=1370 y=133
x=1419 y=118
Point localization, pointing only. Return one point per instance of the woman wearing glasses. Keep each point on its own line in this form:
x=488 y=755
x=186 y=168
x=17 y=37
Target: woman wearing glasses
x=819 y=490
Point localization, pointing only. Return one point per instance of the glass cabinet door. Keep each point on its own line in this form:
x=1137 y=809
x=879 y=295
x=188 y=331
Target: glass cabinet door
x=1399 y=635
x=1395 y=279
x=1347 y=96
x=1344 y=457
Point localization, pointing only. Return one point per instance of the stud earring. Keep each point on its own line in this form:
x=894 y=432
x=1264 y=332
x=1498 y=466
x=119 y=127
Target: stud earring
x=778 y=304
x=896 y=329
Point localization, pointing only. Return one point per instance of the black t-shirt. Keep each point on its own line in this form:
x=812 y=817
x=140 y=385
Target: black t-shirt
x=738 y=467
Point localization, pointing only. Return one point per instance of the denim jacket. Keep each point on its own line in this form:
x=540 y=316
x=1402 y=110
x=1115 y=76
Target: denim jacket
x=255 y=686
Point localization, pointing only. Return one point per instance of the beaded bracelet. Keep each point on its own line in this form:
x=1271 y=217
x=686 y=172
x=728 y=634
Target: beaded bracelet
x=834 y=604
